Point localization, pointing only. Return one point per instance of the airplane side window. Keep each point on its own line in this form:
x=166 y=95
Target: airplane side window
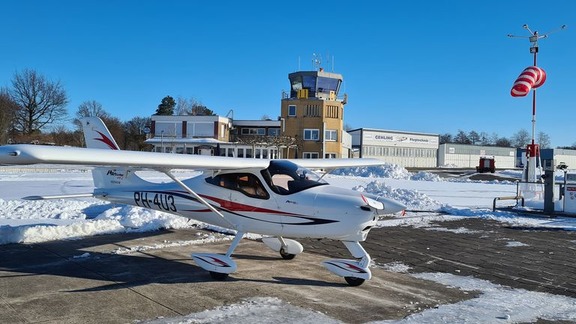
x=251 y=186
x=245 y=183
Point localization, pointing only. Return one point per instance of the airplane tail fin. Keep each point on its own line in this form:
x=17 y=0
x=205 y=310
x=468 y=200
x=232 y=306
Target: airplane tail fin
x=97 y=135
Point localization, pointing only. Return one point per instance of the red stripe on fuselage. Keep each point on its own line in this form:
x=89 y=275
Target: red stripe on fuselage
x=237 y=207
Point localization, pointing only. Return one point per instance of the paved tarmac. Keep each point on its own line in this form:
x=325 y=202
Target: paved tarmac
x=86 y=281
x=535 y=259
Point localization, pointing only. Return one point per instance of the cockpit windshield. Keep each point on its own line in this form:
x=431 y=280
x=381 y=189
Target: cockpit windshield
x=286 y=178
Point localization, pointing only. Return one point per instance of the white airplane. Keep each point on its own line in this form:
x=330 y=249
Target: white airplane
x=274 y=198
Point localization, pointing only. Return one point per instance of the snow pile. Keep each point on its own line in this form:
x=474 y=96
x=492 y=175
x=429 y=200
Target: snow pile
x=425 y=176
x=48 y=209
x=142 y=219
x=412 y=199
x=48 y=220
x=387 y=170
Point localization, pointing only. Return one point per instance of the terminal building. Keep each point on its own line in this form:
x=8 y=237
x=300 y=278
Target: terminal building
x=407 y=149
x=215 y=135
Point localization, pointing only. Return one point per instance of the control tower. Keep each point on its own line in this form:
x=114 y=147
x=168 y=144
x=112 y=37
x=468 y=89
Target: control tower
x=313 y=114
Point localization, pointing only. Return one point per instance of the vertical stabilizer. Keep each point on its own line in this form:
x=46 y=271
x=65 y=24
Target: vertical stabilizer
x=97 y=135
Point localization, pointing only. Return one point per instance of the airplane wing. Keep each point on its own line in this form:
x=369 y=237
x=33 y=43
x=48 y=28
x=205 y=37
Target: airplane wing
x=24 y=154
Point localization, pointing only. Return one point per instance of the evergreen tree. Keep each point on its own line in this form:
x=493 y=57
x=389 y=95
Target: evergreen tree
x=166 y=107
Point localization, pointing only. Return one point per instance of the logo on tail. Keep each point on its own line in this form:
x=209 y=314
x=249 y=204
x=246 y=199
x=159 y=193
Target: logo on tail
x=106 y=140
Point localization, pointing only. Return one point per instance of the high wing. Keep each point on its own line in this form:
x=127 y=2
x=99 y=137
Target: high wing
x=23 y=154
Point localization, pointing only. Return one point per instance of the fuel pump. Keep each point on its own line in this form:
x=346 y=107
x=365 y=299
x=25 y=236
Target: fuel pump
x=570 y=192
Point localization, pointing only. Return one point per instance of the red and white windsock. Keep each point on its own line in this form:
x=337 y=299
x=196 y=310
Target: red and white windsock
x=531 y=77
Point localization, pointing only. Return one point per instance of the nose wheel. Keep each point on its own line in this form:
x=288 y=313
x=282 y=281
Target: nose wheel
x=285 y=255
x=287 y=248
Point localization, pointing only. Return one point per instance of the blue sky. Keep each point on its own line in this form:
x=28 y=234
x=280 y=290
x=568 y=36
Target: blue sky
x=420 y=66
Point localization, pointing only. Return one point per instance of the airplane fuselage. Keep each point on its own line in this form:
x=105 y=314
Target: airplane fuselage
x=318 y=212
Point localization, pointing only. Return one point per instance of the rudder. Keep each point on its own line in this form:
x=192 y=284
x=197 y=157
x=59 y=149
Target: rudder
x=97 y=135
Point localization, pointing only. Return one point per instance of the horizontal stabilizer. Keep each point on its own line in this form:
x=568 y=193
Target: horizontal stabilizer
x=86 y=195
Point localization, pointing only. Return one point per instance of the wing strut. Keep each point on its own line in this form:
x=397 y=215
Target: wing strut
x=200 y=199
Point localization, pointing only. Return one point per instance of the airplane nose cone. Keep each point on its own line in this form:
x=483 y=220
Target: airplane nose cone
x=391 y=206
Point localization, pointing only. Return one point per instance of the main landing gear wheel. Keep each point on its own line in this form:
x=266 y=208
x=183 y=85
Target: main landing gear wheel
x=218 y=276
x=286 y=256
x=353 y=281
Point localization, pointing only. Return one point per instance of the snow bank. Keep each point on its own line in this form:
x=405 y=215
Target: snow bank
x=49 y=220
x=410 y=198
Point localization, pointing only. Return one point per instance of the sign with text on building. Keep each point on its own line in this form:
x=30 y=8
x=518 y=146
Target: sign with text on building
x=396 y=139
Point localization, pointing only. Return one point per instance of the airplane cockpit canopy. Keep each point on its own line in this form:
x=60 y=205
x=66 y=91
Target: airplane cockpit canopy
x=285 y=177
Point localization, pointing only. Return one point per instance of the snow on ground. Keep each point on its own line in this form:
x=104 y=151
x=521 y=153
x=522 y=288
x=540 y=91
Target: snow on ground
x=428 y=198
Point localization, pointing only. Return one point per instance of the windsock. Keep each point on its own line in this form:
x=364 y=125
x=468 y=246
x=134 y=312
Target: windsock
x=531 y=77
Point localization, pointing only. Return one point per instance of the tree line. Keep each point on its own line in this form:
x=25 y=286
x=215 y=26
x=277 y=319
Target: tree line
x=519 y=139
x=33 y=110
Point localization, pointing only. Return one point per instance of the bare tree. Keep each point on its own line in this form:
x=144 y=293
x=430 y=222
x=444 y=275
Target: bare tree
x=8 y=110
x=90 y=108
x=461 y=138
x=192 y=107
x=135 y=133
x=40 y=101
x=520 y=138
x=485 y=139
x=503 y=142
x=544 y=140
x=474 y=137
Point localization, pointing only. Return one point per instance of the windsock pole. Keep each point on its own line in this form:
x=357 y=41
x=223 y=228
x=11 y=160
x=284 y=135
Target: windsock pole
x=533 y=149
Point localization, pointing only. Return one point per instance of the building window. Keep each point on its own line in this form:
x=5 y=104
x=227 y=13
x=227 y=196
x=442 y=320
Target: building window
x=310 y=155
x=253 y=131
x=273 y=131
x=292 y=110
x=330 y=155
x=331 y=135
x=311 y=134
